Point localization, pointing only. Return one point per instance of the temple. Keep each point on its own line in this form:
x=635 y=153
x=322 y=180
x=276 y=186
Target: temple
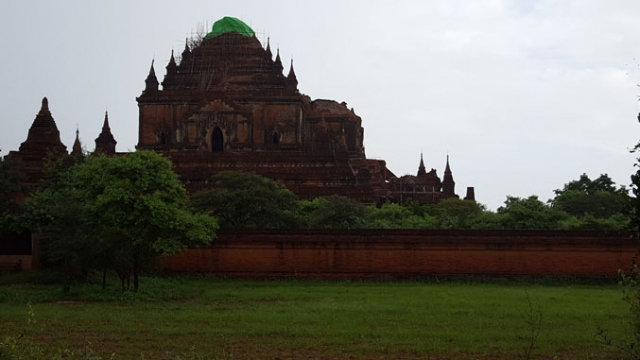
x=226 y=104
x=42 y=144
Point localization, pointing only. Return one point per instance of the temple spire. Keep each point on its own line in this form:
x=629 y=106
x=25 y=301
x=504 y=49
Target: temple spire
x=186 y=53
x=44 y=109
x=105 y=143
x=43 y=134
x=421 y=169
x=105 y=125
x=292 y=75
x=448 y=185
x=278 y=63
x=172 y=62
x=170 y=77
x=152 y=80
x=268 y=53
x=77 y=146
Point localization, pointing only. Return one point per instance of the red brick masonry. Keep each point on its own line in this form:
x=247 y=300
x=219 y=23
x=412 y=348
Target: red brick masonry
x=409 y=253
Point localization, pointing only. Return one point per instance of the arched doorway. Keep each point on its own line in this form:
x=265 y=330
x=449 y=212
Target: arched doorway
x=217 y=140
x=276 y=138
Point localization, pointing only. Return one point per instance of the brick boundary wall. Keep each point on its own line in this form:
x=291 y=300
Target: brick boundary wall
x=366 y=254
x=15 y=263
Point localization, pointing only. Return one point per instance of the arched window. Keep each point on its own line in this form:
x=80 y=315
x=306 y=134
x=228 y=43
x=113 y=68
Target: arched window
x=163 y=139
x=217 y=140
x=276 y=138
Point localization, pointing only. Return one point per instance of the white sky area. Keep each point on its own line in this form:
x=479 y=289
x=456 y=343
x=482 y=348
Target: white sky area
x=523 y=95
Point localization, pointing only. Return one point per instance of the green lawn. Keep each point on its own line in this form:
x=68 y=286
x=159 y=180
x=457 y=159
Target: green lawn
x=204 y=318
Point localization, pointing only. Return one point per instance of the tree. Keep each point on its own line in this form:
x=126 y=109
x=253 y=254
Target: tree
x=127 y=210
x=489 y=220
x=248 y=200
x=11 y=180
x=529 y=214
x=396 y=216
x=615 y=222
x=599 y=198
x=333 y=212
x=634 y=208
x=457 y=214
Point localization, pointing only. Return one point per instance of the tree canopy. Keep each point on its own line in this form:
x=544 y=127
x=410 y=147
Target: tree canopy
x=599 y=198
x=529 y=214
x=123 y=210
x=247 y=200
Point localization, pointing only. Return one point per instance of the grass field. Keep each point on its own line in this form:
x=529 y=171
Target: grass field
x=207 y=318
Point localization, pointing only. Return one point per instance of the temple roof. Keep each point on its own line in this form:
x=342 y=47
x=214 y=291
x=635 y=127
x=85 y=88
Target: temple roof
x=43 y=135
x=230 y=25
x=105 y=142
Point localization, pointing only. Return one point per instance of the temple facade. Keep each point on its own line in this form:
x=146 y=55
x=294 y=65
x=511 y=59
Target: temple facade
x=225 y=103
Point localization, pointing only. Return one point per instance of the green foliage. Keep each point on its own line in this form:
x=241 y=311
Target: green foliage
x=490 y=220
x=634 y=202
x=120 y=212
x=247 y=200
x=396 y=216
x=599 y=198
x=458 y=214
x=529 y=214
x=584 y=184
x=616 y=222
x=631 y=295
x=628 y=345
x=10 y=183
x=11 y=180
x=333 y=212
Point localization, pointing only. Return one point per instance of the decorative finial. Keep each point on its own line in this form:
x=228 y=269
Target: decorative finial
x=44 y=110
x=45 y=106
x=105 y=126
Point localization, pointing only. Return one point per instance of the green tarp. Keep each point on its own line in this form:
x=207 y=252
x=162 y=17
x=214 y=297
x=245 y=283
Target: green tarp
x=229 y=24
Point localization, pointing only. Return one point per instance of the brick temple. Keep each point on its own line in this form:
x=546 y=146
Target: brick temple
x=226 y=104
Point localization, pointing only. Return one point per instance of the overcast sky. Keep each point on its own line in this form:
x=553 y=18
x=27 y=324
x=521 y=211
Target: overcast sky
x=523 y=95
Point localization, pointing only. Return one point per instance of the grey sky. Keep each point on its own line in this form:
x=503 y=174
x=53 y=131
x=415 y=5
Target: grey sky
x=524 y=95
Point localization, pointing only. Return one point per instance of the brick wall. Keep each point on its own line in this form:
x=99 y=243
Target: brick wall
x=402 y=253
x=13 y=263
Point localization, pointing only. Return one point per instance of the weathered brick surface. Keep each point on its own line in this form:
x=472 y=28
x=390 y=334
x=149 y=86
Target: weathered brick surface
x=376 y=254
x=11 y=263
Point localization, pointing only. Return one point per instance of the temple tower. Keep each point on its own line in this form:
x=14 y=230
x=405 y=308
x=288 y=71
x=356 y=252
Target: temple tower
x=421 y=169
x=43 y=141
x=105 y=143
x=76 y=151
x=448 y=185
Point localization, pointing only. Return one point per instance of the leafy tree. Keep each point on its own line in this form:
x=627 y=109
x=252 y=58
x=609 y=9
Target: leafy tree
x=11 y=180
x=458 y=214
x=634 y=202
x=529 y=214
x=124 y=211
x=248 y=200
x=396 y=216
x=489 y=220
x=588 y=222
x=333 y=212
x=599 y=198
x=585 y=184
